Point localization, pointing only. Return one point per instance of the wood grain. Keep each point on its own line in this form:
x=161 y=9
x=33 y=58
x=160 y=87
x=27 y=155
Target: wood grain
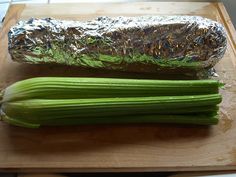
x=149 y=147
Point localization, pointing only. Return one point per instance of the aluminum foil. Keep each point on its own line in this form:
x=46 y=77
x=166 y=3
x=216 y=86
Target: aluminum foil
x=138 y=44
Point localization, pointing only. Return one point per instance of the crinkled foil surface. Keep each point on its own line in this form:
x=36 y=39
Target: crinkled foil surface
x=140 y=44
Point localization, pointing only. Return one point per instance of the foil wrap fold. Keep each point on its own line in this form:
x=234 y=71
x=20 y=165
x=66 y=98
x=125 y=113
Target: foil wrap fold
x=138 y=44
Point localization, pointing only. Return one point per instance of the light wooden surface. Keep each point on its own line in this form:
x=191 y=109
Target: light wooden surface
x=125 y=147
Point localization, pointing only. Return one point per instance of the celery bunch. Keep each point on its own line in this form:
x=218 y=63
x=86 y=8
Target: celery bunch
x=71 y=101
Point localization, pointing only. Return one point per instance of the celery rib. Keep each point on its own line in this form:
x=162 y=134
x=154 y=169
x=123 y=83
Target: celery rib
x=44 y=109
x=64 y=87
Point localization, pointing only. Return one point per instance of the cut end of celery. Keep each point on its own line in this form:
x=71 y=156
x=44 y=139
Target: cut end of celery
x=221 y=85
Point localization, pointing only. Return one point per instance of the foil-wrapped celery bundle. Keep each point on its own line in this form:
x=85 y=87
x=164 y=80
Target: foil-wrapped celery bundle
x=136 y=44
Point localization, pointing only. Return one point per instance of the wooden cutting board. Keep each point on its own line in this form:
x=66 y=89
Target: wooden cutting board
x=149 y=147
